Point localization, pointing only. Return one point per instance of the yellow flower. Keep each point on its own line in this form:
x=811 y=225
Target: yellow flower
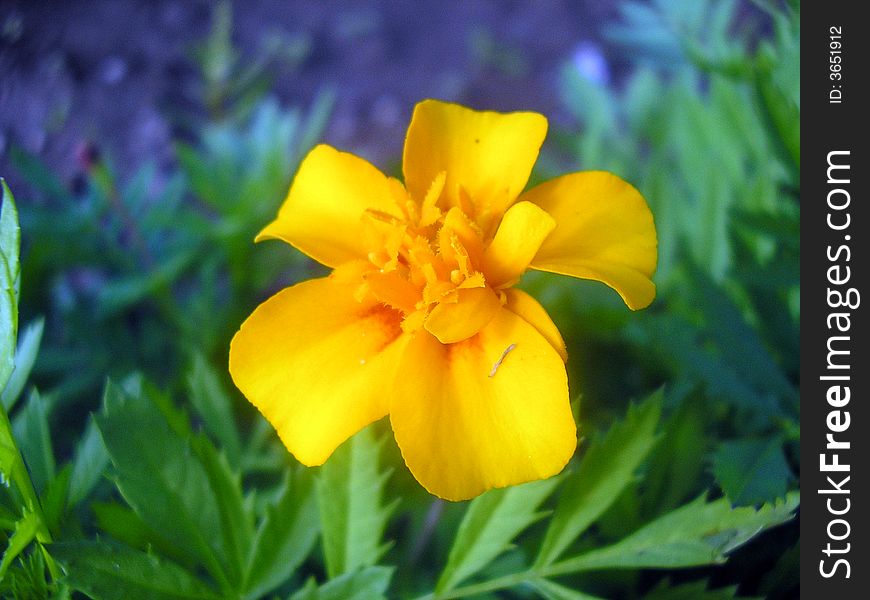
x=418 y=319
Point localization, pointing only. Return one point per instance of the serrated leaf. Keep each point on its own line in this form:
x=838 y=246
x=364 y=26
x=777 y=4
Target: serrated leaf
x=554 y=591
x=117 y=572
x=353 y=516
x=9 y=457
x=490 y=524
x=370 y=583
x=678 y=461
x=681 y=346
x=33 y=433
x=214 y=406
x=13 y=470
x=606 y=469
x=122 y=524
x=285 y=536
x=699 y=533
x=26 y=580
x=236 y=523
x=743 y=348
x=136 y=386
x=25 y=357
x=89 y=464
x=161 y=478
x=624 y=514
x=752 y=471
x=25 y=531
x=53 y=499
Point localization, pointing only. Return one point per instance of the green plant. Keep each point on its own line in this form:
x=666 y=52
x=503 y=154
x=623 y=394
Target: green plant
x=164 y=483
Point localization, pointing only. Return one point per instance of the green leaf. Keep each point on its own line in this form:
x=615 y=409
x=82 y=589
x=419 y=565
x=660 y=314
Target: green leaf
x=752 y=471
x=682 y=347
x=26 y=579
x=199 y=170
x=8 y=328
x=608 y=467
x=782 y=115
x=285 y=536
x=678 y=460
x=53 y=499
x=352 y=514
x=214 y=406
x=13 y=469
x=10 y=240
x=588 y=100
x=370 y=583
x=89 y=464
x=553 y=591
x=161 y=478
x=10 y=234
x=116 y=572
x=25 y=357
x=491 y=522
x=124 y=525
x=34 y=439
x=135 y=385
x=236 y=523
x=699 y=533
x=118 y=295
x=741 y=345
x=25 y=531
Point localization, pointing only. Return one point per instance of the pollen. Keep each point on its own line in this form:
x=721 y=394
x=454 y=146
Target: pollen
x=421 y=260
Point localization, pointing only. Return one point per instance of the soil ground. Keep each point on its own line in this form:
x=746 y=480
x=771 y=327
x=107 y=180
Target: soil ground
x=119 y=74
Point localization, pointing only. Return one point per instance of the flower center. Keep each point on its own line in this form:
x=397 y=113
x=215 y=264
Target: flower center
x=422 y=259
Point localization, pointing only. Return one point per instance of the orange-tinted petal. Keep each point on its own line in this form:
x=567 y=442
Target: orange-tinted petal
x=455 y=321
x=604 y=231
x=317 y=364
x=323 y=213
x=488 y=412
x=525 y=306
x=519 y=236
x=457 y=223
x=489 y=155
x=393 y=289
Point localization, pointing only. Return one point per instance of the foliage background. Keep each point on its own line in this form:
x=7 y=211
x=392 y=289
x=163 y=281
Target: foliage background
x=134 y=469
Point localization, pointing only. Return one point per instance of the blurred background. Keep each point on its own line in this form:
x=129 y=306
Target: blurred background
x=147 y=142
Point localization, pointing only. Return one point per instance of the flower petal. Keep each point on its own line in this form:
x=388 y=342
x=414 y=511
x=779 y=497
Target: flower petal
x=323 y=213
x=604 y=231
x=519 y=236
x=525 y=306
x=487 y=154
x=455 y=321
x=488 y=412
x=317 y=364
